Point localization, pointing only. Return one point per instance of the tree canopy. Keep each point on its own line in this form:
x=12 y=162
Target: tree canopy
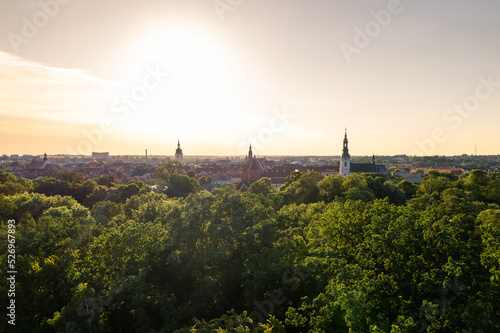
x=361 y=253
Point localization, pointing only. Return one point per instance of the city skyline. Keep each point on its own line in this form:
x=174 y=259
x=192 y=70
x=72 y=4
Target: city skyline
x=288 y=76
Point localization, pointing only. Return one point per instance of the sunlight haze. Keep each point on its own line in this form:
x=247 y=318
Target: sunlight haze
x=404 y=77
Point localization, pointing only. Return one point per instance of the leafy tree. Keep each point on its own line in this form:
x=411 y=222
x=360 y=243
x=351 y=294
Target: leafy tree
x=435 y=183
x=7 y=207
x=104 y=211
x=52 y=186
x=99 y=193
x=233 y=322
x=10 y=184
x=475 y=184
x=107 y=179
x=394 y=169
x=46 y=251
x=330 y=187
x=293 y=176
x=394 y=193
x=377 y=184
x=356 y=193
x=301 y=187
x=70 y=177
x=362 y=253
x=354 y=180
x=166 y=170
x=182 y=186
x=492 y=190
x=409 y=189
x=262 y=186
x=242 y=183
x=84 y=190
x=123 y=192
x=202 y=180
x=133 y=204
x=11 y=188
x=5 y=176
x=489 y=224
x=205 y=180
x=243 y=188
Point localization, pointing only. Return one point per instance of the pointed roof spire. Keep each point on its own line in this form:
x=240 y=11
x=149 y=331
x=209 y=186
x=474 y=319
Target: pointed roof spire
x=178 y=150
x=250 y=153
x=345 y=149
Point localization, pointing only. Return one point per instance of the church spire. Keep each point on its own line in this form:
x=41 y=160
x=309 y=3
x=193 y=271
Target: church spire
x=250 y=153
x=179 y=157
x=345 y=160
x=345 y=149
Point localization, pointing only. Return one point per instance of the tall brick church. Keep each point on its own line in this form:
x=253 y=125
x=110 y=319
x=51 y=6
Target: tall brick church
x=255 y=168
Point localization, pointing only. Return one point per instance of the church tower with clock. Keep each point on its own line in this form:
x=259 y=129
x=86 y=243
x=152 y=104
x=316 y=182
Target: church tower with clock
x=345 y=160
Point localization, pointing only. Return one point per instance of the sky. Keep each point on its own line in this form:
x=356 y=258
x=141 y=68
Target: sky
x=404 y=77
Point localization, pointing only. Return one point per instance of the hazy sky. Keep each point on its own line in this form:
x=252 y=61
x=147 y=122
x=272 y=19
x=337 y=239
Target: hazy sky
x=405 y=77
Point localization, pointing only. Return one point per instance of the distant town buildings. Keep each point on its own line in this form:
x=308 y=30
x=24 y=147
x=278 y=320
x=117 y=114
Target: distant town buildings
x=219 y=171
x=100 y=156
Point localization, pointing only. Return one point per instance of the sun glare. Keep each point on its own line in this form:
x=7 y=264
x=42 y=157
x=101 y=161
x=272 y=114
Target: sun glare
x=199 y=84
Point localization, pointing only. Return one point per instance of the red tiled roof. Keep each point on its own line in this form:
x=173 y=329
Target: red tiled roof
x=256 y=165
x=35 y=165
x=52 y=167
x=442 y=167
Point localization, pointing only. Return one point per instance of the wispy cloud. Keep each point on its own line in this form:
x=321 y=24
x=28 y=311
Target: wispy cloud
x=35 y=91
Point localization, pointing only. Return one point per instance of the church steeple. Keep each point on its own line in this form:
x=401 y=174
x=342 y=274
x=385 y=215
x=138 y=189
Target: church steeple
x=250 y=154
x=179 y=157
x=45 y=156
x=345 y=160
x=345 y=149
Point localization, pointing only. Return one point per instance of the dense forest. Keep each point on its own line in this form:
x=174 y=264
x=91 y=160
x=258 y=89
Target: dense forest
x=361 y=253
